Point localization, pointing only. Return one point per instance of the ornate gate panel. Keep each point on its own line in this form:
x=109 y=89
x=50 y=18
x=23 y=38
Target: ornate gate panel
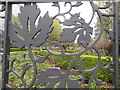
x=33 y=29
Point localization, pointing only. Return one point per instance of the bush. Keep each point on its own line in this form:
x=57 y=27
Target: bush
x=88 y=63
x=17 y=49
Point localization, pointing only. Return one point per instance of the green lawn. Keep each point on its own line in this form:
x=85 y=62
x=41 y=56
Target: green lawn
x=55 y=61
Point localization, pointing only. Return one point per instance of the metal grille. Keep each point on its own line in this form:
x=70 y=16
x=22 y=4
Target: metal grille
x=34 y=30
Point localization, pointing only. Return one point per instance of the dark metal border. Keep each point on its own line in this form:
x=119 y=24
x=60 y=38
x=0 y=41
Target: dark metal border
x=5 y=65
x=6 y=52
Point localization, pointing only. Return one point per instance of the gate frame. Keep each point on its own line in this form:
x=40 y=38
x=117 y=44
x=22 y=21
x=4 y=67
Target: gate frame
x=8 y=13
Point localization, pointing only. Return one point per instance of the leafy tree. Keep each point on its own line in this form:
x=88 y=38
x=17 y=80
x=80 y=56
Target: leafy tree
x=55 y=34
x=16 y=19
x=108 y=23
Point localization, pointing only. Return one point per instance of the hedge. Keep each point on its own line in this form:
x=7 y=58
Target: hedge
x=17 y=49
x=88 y=63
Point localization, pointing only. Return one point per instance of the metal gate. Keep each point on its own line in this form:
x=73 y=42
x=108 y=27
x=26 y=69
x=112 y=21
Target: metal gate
x=32 y=30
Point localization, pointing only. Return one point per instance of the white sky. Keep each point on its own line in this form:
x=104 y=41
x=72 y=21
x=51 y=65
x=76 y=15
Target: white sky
x=85 y=10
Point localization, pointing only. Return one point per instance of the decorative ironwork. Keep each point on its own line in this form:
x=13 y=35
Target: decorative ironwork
x=28 y=35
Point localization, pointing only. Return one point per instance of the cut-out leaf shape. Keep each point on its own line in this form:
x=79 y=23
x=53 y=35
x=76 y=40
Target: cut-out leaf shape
x=80 y=29
x=85 y=35
x=28 y=33
x=54 y=76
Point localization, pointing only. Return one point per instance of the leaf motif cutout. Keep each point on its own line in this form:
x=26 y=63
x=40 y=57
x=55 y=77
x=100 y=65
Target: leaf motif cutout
x=67 y=35
x=69 y=22
x=80 y=29
x=30 y=34
x=85 y=36
x=45 y=25
x=53 y=76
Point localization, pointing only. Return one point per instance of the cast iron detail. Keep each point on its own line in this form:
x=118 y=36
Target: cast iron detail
x=29 y=34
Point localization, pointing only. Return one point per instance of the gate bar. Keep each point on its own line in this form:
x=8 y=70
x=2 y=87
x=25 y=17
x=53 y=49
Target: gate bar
x=115 y=45
x=6 y=52
x=35 y=1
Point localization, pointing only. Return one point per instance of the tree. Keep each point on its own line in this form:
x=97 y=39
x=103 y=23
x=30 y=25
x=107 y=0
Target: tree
x=55 y=34
x=108 y=23
x=16 y=19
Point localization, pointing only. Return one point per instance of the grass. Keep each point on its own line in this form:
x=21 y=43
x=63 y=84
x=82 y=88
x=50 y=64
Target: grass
x=18 y=66
x=15 y=82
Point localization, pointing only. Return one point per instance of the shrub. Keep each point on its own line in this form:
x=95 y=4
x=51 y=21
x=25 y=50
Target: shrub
x=17 y=49
x=88 y=63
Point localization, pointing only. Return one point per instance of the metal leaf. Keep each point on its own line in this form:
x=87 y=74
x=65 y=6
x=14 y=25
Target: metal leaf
x=13 y=35
x=75 y=17
x=30 y=34
x=85 y=35
x=69 y=22
x=67 y=36
x=53 y=76
x=84 y=39
x=44 y=24
x=81 y=28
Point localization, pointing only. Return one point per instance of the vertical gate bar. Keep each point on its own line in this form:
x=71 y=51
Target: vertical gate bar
x=115 y=45
x=6 y=52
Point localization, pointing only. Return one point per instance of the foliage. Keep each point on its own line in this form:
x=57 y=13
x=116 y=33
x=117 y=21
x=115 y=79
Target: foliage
x=104 y=42
x=17 y=49
x=55 y=34
x=77 y=77
x=88 y=63
x=67 y=45
x=94 y=86
x=15 y=82
x=107 y=21
x=16 y=19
